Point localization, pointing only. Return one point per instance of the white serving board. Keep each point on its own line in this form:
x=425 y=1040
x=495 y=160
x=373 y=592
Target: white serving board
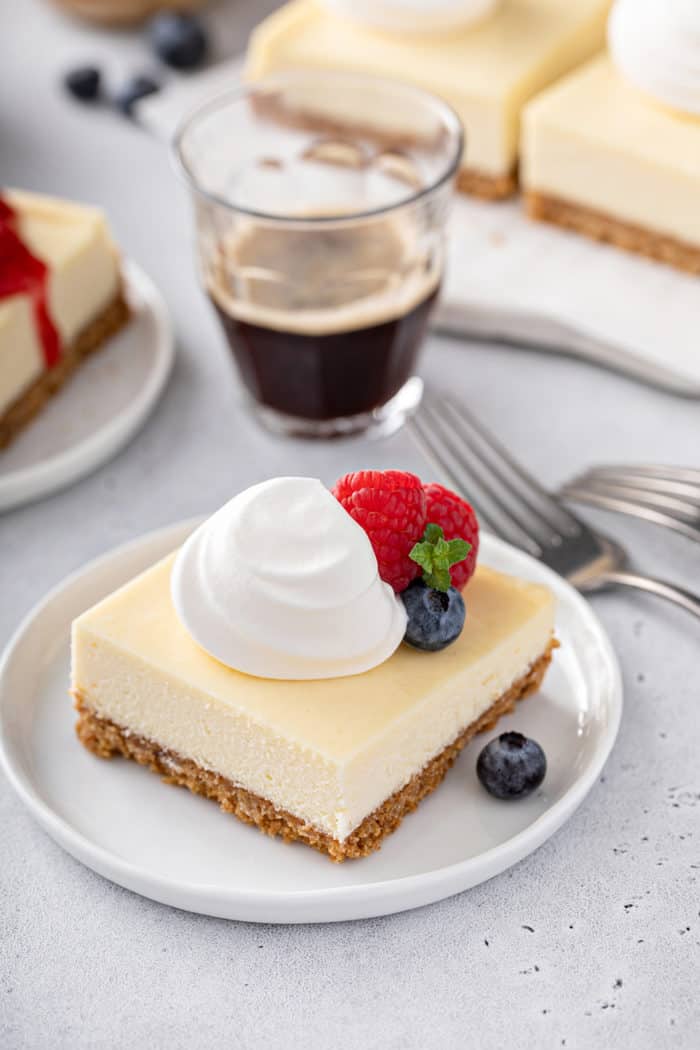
x=530 y=284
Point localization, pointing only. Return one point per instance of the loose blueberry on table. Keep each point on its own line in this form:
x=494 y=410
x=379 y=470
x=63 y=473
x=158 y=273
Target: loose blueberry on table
x=511 y=766
x=179 y=40
x=83 y=83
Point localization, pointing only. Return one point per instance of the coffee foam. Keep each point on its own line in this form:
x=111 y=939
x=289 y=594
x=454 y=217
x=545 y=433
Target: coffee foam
x=322 y=281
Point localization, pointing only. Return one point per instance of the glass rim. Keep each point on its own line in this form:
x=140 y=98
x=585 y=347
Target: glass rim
x=223 y=98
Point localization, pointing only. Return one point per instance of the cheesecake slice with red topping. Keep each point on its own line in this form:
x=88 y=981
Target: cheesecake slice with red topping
x=61 y=297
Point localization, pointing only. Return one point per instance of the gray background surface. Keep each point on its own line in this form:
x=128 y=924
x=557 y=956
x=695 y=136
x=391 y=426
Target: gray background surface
x=591 y=942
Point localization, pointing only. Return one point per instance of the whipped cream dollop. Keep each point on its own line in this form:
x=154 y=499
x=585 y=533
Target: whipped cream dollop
x=656 y=45
x=415 y=16
x=283 y=583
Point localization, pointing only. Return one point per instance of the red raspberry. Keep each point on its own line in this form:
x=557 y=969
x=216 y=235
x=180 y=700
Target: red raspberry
x=390 y=507
x=457 y=520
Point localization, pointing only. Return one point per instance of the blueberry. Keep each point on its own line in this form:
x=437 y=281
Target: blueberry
x=178 y=40
x=83 y=83
x=511 y=766
x=435 y=618
x=132 y=91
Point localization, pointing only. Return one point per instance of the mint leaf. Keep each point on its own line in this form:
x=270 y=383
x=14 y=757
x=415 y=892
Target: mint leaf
x=438 y=579
x=436 y=555
x=422 y=555
x=459 y=549
x=441 y=548
x=433 y=533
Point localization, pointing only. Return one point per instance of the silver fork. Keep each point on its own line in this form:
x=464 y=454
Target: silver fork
x=667 y=496
x=517 y=508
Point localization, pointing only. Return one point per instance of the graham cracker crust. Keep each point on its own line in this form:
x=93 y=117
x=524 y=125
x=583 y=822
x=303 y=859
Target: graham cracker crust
x=602 y=227
x=487 y=187
x=91 y=338
x=105 y=739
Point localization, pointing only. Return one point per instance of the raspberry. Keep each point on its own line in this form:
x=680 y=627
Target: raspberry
x=458 y=521
x=390 y=507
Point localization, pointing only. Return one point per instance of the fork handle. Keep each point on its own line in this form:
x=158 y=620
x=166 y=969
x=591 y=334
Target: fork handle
x=661 y=588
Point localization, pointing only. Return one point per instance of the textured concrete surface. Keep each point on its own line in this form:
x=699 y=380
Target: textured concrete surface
x=592 y=942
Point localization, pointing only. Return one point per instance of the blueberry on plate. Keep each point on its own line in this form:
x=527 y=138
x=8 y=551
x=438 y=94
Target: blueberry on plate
x=511 y=766
x=83 y=83
x=179 y=40
x=133 y=91
x=435 y=618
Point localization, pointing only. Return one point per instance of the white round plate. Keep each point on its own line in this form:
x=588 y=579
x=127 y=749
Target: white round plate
x=100 y=408
x=174 y=847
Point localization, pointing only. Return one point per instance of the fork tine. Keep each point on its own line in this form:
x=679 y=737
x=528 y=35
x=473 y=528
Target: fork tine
x=479 y=470
x=683 y=490
x=432 y=450
x=688 y=475
x=545 y=507
x=440 y=452
x=595 y=498
x=684 y=509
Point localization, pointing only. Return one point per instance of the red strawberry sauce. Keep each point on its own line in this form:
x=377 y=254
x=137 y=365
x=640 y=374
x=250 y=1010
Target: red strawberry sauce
x=21 y=272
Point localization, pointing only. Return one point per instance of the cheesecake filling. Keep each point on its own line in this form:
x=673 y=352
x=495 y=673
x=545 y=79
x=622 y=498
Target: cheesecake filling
x=329 y=752
x=21 y=356
x=333 y=796
x=415 y=16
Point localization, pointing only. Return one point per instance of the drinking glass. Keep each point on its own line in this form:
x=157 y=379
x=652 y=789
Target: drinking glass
x=320 y=203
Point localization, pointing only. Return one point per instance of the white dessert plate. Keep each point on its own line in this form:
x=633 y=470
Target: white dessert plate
x=101 y=407
x=121 y=821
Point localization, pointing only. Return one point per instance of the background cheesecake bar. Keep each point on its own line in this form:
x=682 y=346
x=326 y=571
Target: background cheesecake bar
x=487 y=71
x=61 y=298
x=605 y=160
x=335 y=763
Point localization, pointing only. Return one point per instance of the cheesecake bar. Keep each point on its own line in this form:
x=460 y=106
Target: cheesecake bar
x=603 y=159
x=486 y=71
x=61 y=298
x=335 y=763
